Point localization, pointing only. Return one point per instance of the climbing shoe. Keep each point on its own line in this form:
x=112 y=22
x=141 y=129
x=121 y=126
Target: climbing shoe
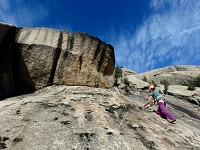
x=172 y=120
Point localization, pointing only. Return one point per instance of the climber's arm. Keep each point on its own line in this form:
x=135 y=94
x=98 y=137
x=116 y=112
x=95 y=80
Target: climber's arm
x=148 y=102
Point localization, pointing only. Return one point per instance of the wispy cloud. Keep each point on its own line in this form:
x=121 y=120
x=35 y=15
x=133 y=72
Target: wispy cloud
x=37 y=13
x=4 y=5
x=5 y=12
x=23 y=13
x=170 y=36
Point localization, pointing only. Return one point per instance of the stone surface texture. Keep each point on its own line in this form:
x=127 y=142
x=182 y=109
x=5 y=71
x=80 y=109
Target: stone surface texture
x=32 y=58
x=78 y=117
x=174 y=74
x=6 y=72
x=136 y=82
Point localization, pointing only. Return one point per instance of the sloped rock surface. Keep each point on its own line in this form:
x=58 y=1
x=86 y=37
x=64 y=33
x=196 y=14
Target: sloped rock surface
x=136 y=82
x=73 y=117
x=183 y=92
x=174 y=74
x=126 y=72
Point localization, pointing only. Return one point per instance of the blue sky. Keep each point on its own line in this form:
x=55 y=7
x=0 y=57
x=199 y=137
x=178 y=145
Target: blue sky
x=146 y=34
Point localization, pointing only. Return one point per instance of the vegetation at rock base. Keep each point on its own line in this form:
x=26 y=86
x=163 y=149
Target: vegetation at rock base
x=191 y=88
x=118 y=72
x=166 y=86
x=125 y=81
x=196 y=81
x=144 y=79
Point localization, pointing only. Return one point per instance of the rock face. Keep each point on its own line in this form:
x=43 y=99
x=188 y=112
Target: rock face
x=85 y=61
x=174 y=74
x=32 y=58
x=78 y=117
x=134 y=81
x=126 y=72
x=14 y=75
x=6 y=74
x=183 y=93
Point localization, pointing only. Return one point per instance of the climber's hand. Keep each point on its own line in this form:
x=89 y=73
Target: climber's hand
x=147 y=106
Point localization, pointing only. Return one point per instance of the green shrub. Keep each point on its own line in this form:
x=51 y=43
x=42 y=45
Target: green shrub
x=196 y=81
x=184 y=83
x=126 y=82
x=118 y=72
x=164 y=82
x=126 y=94
x=166 y=85
x=144 y=79
x=191 y=88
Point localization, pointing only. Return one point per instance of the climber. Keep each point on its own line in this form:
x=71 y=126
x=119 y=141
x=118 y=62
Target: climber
x=162 y=111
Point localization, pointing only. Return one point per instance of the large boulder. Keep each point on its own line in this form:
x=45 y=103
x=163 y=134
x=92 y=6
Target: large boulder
x=85 y=60
x=39 y=48
x=126 y=72
x=6 y=74
x=14 y=75
x=134 y=81
x=32 y=58
x=60 y=57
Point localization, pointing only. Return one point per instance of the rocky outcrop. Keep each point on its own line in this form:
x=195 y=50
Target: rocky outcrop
x=33 y=58
x=14 y=75
x=85 y=61
x=78 y=117
x=137 y=83
x=183 y=93
x=126 y=72
x=174 y=74
x=128 y=79
x=6 y=74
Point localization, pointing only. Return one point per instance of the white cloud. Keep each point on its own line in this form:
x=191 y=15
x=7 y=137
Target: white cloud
x=160 y=4
x=170 y=36
x=29 y=13
x=23 y=13
x=4 y=12
x=4 y=5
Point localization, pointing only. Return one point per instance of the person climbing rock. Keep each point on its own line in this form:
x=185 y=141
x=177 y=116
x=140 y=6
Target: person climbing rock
x=161 y=101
